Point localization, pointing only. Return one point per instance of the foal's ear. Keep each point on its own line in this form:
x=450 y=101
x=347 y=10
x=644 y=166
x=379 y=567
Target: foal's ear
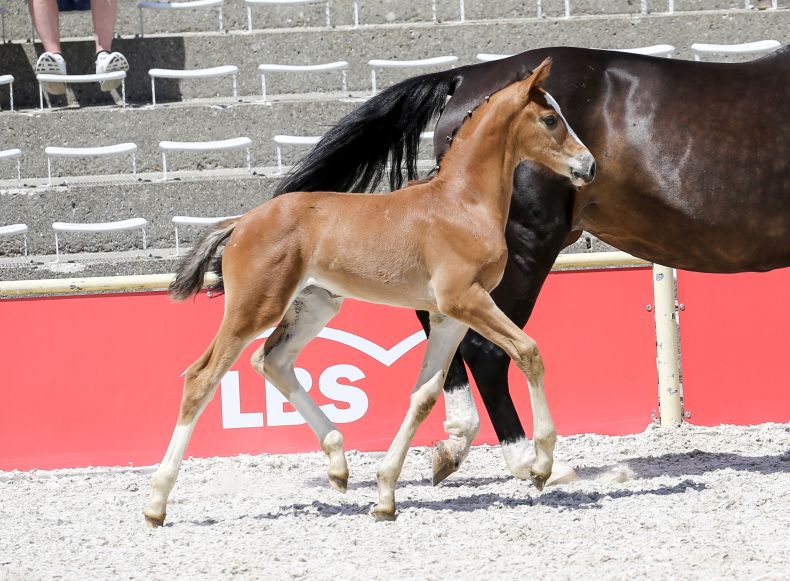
x=537 y=77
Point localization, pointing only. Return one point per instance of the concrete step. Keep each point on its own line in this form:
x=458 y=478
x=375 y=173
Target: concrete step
x=372 y=12
x=146 y=126
x=357 y=46
x=119 y=197
x=152 y=261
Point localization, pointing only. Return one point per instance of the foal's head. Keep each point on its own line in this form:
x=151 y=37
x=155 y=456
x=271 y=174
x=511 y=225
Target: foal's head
x=541 y=133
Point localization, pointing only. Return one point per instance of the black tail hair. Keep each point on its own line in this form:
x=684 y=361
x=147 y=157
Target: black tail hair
x=202 y=258
x=353 y=155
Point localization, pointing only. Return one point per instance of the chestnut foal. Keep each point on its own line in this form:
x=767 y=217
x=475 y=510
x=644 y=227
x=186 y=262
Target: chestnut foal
x=437 y=246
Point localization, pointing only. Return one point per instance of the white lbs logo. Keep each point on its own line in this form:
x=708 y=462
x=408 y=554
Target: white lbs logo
x=334 y=383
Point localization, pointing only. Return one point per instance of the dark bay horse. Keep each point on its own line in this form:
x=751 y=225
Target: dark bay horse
x=438 y=245
x=693 y=172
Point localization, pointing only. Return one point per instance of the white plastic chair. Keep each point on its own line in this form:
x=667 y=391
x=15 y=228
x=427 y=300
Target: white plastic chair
x=8 y=80
x=251 y=3
x=14 y=154
x=93 y=78
x=402 y=64
x=98 y=227
x=16 y=230
x=180 y=5
x=201 y=146
x=196 y=221
x=280 y=140
x=209 y=73
x=103 y=151
x=760 y=46
x=487 y=56
x=341 y=66
x=665 y=50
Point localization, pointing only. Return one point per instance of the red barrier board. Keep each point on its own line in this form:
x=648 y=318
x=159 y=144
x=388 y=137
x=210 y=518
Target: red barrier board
x=734 y=341
x=95 y=380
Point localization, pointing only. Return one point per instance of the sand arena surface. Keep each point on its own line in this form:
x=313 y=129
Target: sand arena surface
x=699 y=503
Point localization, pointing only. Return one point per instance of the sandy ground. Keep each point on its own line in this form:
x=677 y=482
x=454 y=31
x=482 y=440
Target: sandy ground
x=699 y=503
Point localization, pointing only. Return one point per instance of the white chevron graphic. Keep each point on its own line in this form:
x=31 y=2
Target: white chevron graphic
x=369 y=348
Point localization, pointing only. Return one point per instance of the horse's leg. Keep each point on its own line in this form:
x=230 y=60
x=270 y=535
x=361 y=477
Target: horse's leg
x=443 y=341
x=200 y=384
x=462 y=423
x=477 y=309
x=275 y=359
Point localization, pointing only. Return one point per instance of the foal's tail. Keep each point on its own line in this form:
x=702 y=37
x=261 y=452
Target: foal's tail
x=202 y=258
x=352 y=156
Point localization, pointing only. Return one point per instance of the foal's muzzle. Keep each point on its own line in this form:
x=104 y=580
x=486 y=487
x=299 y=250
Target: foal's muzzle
x=584 y=172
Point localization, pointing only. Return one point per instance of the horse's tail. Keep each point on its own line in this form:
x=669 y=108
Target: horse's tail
x=202 y=258
x=353 y=155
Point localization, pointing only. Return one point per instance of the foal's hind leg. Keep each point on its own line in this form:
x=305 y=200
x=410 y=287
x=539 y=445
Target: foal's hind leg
x=200 y=383
x=443 y=341
x=303 y=320
x=462 y=423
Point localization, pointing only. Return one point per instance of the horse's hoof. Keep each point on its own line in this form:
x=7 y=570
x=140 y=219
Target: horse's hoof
x=382 y=514
x=153 y=522
x=562 y=474
x=339 y=483
x=444 y=463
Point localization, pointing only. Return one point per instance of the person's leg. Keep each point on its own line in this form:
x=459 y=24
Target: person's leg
x=104 y=13
x=46 y=20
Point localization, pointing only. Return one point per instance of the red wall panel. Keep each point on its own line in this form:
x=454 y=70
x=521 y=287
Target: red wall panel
x=95 y=380
x=735 y=336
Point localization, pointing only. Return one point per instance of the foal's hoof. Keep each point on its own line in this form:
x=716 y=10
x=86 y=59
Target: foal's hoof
x=444 y=463
x=538 y=480
x=339 y=482
x=153 y=522
x=383 y=514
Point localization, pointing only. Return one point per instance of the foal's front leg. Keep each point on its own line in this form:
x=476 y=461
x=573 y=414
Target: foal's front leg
x=443 y=341
x=476 y=308
x=304 y=319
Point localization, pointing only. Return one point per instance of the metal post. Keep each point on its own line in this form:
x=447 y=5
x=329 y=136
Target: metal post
x=279 y=160
x=539 y=10
x=177 y=250
x=328 y=15
x=433 y=12
x=356 y=14
x=344 y=80
x=249 y=18
x=463 y=12
x=667 y=363
x=373 y=80
x=123 y=92
x=164 y=166
x=235 y=89
x=49 y=171
x=263 y=85
x=11 y=88
x=141 y=22
x=221 y=22
x=567 y=8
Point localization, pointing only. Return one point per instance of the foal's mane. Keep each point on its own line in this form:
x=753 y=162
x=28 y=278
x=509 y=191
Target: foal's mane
x=522 y=74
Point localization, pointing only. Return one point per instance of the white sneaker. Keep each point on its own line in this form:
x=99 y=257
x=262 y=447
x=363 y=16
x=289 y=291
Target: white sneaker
x=50 y=63
x=110 y=62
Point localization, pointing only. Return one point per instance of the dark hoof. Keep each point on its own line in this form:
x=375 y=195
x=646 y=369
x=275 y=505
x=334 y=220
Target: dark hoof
x=444 y=463
x=538 y=481
x=382 y=514
x=153 y=522
x=339 y=483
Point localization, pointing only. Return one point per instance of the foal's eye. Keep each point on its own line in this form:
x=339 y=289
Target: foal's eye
x=550 y=121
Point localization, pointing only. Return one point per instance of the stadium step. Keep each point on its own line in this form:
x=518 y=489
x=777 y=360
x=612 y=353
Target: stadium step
x=402 y=41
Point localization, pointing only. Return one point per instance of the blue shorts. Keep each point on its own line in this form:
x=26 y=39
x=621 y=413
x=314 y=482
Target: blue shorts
x=68 y=5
